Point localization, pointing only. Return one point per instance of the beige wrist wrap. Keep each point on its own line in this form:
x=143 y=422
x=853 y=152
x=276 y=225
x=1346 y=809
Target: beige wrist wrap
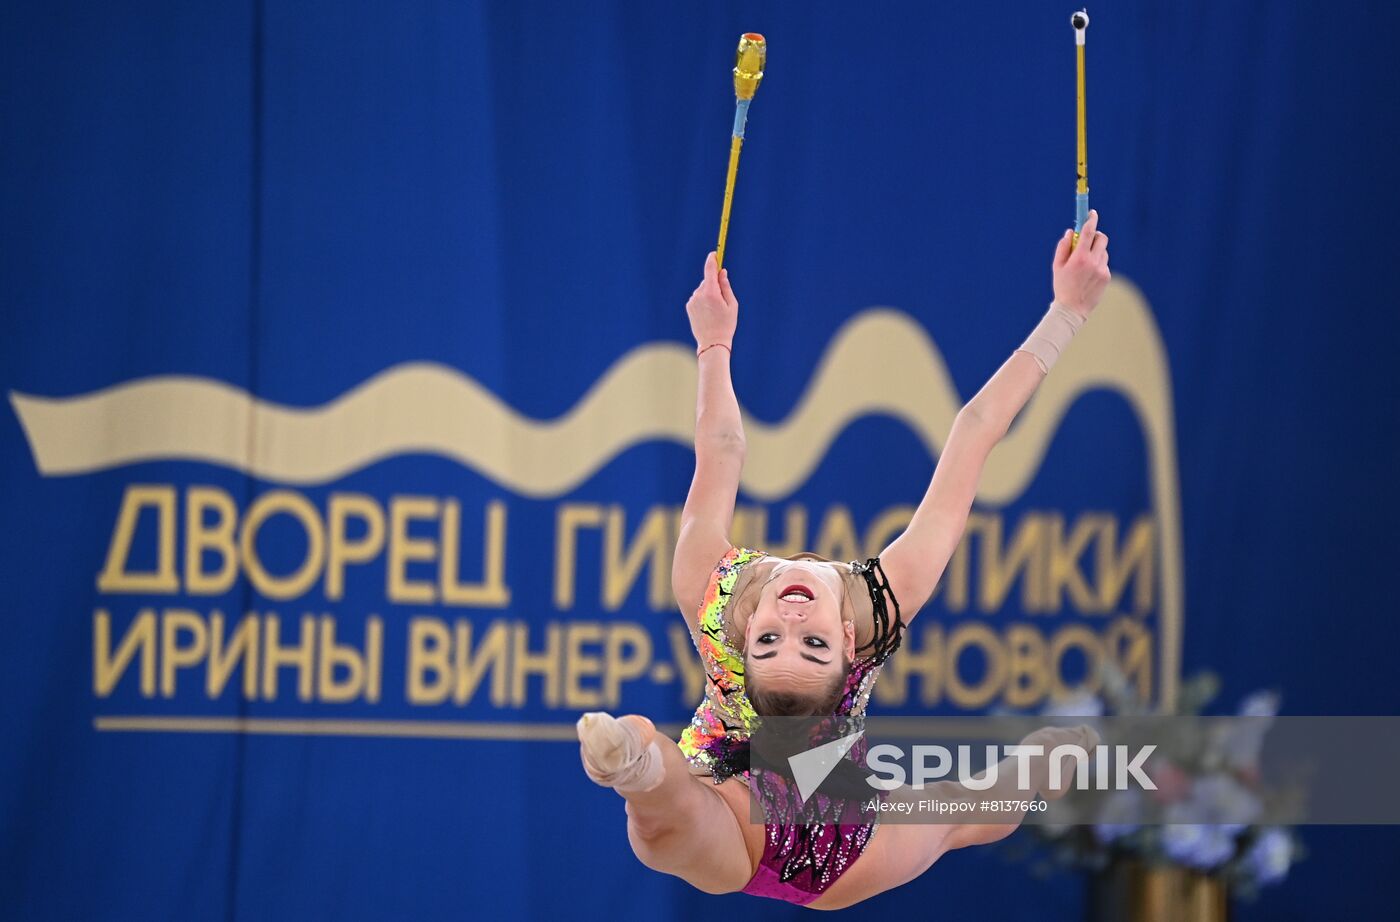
x=1052 y=335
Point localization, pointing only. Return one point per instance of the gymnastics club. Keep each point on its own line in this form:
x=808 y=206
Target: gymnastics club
x=1080 y=21
x=748 y=73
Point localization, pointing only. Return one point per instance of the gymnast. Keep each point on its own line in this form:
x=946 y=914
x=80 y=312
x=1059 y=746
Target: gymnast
x=803 y=636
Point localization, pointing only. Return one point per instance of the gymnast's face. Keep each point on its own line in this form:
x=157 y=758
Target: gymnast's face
x=796 y=640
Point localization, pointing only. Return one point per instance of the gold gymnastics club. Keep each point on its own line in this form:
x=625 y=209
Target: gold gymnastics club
x=748 y=73
x=1080 y=21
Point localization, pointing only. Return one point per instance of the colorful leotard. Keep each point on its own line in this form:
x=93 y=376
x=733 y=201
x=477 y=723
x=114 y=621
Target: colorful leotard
x=801 y=860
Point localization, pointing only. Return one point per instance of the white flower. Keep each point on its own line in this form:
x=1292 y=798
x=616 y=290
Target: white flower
x=1236 y=743
x=1076 y=704
x=1217 y=800
x=1260 y=704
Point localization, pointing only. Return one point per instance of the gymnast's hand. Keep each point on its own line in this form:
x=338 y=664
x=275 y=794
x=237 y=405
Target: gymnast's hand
x=1081 y=276
x=713 y=309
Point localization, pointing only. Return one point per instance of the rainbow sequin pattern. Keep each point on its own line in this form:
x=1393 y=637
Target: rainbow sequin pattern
x=722 y=721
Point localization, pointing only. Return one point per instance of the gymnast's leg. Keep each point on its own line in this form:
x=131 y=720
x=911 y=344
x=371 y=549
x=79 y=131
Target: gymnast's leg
x=900 y=852
x=678 y=823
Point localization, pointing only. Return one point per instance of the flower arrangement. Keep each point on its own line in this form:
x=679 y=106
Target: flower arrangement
x=1210 y=808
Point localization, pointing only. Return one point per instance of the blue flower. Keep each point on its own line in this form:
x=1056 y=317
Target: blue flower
x=1201 y=830
x=1269 y=858
x=1120 y=815
x=1202 y=847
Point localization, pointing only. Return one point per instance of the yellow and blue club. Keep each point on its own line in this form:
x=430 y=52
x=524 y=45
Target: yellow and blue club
x=748 y=73
x=1080 y=22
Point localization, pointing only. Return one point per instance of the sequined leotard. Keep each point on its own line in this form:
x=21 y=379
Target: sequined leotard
x=800 y=861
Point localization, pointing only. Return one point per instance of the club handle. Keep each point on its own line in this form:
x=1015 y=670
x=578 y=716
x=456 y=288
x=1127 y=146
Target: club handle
x=1081 y=214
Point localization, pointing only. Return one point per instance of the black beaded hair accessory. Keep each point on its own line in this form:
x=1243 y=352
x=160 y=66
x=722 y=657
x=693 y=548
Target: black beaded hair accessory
x=889 y=631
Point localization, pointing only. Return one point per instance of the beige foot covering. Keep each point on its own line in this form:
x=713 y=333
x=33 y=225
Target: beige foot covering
x=615 y=754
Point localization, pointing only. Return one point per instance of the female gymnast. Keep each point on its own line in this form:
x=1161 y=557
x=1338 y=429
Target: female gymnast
x=806 y=637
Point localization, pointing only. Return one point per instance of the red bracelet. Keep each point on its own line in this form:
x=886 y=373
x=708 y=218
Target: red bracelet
x=700 y=352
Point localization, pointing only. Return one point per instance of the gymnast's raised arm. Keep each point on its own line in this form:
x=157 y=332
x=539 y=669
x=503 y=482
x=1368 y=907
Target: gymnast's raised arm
x=719 y=441
x=914 y=562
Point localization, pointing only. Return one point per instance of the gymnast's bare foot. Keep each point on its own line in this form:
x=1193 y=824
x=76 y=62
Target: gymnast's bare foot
x=620 y=753
x=1083 y=736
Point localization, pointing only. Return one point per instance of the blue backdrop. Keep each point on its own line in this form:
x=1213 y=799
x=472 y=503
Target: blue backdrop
x=269 y=270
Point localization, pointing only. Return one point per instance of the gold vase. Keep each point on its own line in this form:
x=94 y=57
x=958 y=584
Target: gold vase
x=1130 y=890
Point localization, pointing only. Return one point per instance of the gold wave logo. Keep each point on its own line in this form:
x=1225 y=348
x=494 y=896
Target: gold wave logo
x=880 y=362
